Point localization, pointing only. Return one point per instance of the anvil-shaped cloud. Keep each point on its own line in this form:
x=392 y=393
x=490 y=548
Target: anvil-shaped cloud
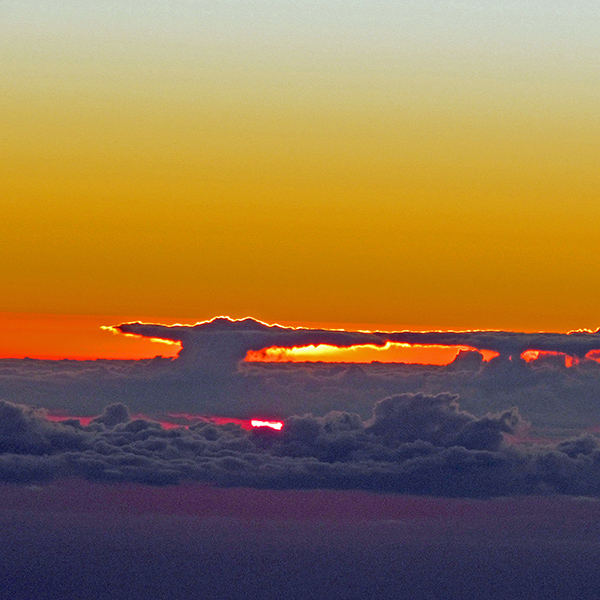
x=222 y=342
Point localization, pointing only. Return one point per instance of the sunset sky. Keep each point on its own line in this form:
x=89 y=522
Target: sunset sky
x=401 y=164
x=247 y=195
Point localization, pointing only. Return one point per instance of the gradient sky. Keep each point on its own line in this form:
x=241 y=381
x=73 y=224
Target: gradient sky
x=418 y=164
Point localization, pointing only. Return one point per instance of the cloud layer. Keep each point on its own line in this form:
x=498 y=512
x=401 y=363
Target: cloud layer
x=412 y=443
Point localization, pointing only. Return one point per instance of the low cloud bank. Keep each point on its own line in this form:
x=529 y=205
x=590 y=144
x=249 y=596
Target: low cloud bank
x=412 y=443
x=551 y=396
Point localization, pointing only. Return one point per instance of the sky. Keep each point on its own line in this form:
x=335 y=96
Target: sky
x=416 y=165
x=423 y=169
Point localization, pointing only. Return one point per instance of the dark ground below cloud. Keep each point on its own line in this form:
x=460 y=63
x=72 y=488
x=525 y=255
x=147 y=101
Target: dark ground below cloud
x=106 y=542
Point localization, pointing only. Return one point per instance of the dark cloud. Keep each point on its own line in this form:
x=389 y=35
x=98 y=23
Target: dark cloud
x=218 y=345
x=113 y=415
x=25 y=431
x=438 y=419
x=413 y=443
x=223 y=340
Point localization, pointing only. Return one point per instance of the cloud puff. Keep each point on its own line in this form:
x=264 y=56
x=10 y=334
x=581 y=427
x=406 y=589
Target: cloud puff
x=25 y=431
x=413 y=443
x=438 y=419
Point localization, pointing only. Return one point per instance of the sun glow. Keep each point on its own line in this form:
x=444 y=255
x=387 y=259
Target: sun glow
x=593 y=355
x=533 y=355
x=390 y=352
x=175 y=420
x=272 y=424
x=117 y=331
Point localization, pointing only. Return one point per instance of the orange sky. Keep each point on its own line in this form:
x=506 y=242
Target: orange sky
x=72 y=336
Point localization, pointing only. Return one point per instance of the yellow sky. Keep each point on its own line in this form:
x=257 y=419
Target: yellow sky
x=391 y=180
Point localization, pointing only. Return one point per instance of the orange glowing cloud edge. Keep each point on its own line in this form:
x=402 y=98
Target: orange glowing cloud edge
x=532 y=355
x=311 y=352
x=114 y=328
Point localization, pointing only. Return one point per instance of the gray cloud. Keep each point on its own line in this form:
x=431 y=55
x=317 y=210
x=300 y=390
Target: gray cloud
x=412 y=443
x=547 y=393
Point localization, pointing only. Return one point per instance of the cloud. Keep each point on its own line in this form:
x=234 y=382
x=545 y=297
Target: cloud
x=223 y=340
x=113 y=415
x=438 y=419
x=25 y=431
x=412 y=443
